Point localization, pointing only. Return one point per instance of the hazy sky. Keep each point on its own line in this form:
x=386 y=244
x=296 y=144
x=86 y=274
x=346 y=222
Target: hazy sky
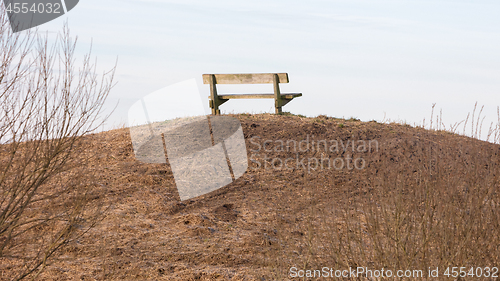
x=366 y=59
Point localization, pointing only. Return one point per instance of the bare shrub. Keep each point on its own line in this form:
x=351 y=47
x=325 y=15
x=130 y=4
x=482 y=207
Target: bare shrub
x=436 y=206
x=47 y=106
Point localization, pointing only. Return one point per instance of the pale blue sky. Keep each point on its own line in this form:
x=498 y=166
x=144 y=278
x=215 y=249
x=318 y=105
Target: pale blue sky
x=363 y=59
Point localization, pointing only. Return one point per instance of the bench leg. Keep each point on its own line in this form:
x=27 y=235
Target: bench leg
x=278 y=102
x=278 y=110
x=214 y=103
x=215 y=110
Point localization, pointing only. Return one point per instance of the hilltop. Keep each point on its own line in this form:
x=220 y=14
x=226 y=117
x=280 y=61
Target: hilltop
x=409 y=199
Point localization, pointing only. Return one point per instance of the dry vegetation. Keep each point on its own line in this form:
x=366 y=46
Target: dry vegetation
x=47 y=189
x=426 y=198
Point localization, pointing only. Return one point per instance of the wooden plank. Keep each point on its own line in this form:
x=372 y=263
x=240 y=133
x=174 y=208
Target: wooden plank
x=258 y=96
x=250 y=78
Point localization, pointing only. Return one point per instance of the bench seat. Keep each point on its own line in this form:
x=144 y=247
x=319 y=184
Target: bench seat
x=258 y=96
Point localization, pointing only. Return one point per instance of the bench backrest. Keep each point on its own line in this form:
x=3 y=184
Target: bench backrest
x=252 y=78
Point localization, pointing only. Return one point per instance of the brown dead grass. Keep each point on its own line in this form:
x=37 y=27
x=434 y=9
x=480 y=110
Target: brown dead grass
x=435 y=192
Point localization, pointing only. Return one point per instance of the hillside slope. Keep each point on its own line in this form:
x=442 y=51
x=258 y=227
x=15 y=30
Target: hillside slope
x=411 y=198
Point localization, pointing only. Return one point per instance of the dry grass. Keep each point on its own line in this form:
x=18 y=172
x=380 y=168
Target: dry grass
x=426 y=198
x=430 y=199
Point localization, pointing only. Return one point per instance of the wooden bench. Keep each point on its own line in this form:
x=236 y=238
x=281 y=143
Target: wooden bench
x=256 y=78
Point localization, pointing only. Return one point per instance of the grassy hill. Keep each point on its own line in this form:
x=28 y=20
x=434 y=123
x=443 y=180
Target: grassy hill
x=409 y=200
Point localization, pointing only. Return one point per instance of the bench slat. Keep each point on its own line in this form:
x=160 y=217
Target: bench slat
x=250 y=78
x=258 y=96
